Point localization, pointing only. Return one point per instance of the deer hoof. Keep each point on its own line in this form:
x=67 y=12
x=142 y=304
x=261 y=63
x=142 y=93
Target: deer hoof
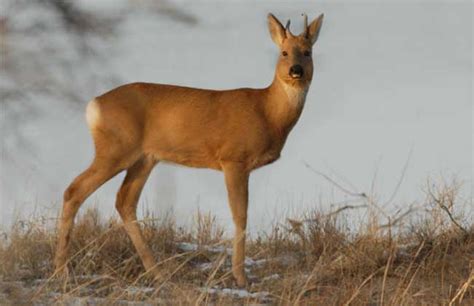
x=61 y=272
x=241 y=280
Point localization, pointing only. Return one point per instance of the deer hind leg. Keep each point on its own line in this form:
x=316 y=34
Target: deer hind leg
x=86 y=183
x=126 y=204
x=236 y=179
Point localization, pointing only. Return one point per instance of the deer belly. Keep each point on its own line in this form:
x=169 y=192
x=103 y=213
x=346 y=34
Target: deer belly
x=190 y=160
x=186 y=152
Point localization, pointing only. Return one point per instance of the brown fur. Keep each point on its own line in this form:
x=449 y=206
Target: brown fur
x=235 y=131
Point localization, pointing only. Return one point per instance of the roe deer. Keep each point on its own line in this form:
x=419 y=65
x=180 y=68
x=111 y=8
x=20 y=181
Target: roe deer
x=235 y=131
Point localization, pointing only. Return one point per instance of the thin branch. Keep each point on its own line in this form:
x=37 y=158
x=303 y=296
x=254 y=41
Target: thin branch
x=396 y=219
x=400 y=180
x=345 y=207
x=450 y=215
x=354 y=194
x=374 y=178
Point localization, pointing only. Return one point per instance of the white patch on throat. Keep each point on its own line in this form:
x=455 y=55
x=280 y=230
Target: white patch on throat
x=296 y=95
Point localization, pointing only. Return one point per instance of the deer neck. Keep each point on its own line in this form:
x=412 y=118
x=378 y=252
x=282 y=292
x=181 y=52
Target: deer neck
x=284 y=105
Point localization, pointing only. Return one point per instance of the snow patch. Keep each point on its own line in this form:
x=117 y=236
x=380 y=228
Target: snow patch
x=240 y=293
x=192 y=247
x=140 y=290
x=271 y=277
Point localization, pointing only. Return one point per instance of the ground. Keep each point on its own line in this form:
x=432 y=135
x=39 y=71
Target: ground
x=318 y=259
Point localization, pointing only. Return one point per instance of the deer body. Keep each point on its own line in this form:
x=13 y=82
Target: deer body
x=137 y=125
x=195 y=127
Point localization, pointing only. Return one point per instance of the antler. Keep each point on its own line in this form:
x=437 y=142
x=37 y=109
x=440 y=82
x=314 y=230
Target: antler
x=287 y=28
x=305 y=33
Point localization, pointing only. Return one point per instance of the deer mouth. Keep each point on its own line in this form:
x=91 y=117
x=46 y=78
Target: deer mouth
x=296 y=76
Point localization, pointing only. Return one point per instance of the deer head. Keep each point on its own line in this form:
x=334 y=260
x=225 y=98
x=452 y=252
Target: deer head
x=295 y=63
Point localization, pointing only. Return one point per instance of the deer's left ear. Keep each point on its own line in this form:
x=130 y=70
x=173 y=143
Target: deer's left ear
x=314 y=28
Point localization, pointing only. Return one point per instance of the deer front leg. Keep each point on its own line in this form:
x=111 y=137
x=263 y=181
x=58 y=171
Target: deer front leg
x=236 y=179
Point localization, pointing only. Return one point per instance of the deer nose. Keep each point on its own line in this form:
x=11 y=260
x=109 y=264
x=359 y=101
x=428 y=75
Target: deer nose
x=296 y=71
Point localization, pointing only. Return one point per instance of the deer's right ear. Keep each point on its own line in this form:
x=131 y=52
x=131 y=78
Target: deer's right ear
x=276 y=30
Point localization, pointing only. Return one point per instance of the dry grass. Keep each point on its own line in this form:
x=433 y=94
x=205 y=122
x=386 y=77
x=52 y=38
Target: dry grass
x=424 y=258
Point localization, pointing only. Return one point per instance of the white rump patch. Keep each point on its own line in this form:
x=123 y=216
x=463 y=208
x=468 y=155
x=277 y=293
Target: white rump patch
x=296 y=96
x=93 y=114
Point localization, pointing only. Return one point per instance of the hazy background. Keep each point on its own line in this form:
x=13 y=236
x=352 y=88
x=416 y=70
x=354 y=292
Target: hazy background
x=392 y=91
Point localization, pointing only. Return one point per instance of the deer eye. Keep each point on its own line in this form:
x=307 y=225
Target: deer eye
x=284 y=53
x=307 y=53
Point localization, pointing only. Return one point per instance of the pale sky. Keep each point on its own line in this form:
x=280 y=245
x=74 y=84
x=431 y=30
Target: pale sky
x=390 y=78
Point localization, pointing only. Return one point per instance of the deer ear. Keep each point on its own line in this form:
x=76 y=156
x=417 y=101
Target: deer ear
x=277 y=31
x=314 y=28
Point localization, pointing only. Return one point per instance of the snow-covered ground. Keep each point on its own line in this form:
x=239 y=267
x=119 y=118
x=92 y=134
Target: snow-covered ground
x=391 y=78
